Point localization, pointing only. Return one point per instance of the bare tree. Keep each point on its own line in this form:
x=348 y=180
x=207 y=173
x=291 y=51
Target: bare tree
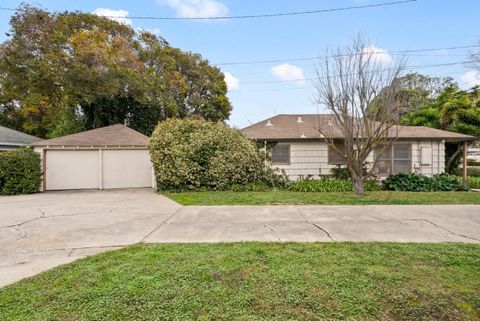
x=359 y=85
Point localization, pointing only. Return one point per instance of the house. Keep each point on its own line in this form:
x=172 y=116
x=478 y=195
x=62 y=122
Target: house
x=109 y=157
x=301 y=150
x=10 y=139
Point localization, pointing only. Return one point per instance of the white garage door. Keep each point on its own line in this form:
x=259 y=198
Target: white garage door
x=126 y=168
x=68 y=169
x=82 y=169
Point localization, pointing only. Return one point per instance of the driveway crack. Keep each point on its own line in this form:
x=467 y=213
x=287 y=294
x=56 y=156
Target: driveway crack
x=273 y=231
x=316 y=225
x=442 y=228
x=27 y=221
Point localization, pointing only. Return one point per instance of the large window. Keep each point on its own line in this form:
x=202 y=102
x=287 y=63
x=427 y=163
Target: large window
x=281 y=154
x=335 y=158
x=395 y=159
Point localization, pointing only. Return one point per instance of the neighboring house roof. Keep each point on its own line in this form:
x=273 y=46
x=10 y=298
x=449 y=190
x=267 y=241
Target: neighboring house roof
x=114 y=135
x=10 y=137
x=305 y=126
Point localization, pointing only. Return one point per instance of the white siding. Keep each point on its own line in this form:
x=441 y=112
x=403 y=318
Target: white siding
x=311 y=159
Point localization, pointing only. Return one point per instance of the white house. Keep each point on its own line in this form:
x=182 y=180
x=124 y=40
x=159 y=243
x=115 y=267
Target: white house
x=301 y=150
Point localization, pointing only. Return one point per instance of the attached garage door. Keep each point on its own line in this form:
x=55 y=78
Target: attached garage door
x=84 y=169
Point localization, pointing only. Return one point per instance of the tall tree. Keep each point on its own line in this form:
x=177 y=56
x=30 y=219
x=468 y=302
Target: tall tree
x=452 y=109
x=347 y=83
x=62 y=72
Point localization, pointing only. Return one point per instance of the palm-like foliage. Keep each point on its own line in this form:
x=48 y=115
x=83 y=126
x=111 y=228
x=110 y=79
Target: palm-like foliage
x=454 y=110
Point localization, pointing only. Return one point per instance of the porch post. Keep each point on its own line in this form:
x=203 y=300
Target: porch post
x=464 y=170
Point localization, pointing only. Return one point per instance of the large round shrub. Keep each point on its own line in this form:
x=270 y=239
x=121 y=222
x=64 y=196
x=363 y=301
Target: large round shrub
x=19 y=172
x=189 y=154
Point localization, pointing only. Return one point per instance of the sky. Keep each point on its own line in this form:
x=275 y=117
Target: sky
x=261 y=90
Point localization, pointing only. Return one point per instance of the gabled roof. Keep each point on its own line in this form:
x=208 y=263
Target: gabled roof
x=305 y=126
x=114 y=135
x=12 y=137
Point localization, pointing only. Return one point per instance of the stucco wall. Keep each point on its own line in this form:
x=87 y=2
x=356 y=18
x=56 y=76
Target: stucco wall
x=311 y=159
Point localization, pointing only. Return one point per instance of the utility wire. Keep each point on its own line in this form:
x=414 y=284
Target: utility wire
x=334 y=76
x=270 y=15
x=396 y=52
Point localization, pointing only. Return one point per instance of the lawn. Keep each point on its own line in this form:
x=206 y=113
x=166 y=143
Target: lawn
x=257 y=281
x=286 y=197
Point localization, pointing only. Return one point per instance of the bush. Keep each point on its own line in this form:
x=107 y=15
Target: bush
x=329 y=185
x=193 y=154
x=411 y=182
x=474 y=182
x=19 y=172
x=340 y=172
x=473 y=171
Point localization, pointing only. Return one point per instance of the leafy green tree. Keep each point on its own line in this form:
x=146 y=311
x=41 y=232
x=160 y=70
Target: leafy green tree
x=63 y=72
x=453 y=110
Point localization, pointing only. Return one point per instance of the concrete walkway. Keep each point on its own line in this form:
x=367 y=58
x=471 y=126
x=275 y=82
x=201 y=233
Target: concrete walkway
x=40 y=231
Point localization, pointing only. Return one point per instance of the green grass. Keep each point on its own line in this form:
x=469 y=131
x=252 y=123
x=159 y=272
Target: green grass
x=257 y=281
x=286 y=197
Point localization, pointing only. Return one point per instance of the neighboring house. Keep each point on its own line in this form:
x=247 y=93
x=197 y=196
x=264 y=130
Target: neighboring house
x=302 y=151
x=110 y=157
x=473 y=154
x=10 y=139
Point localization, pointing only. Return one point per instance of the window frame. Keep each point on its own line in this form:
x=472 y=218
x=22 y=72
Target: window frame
x=332 y=152
x=391 y=158
x=289 y=155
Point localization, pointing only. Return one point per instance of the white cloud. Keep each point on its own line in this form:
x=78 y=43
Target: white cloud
x=472 y=78
x=377 y=54
x=289 y=72
x=197 y=8
x=232 y=82
x=117 y=15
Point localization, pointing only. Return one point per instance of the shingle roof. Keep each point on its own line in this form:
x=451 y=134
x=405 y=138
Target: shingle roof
x=305 y=126
x=15 y=138
x=114 y=135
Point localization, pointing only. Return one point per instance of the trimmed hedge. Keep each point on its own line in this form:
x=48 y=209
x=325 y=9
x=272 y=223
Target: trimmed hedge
x=411 y=182
x=329 y=185
x=474 y=182
x=192 y=154
x=20 y=172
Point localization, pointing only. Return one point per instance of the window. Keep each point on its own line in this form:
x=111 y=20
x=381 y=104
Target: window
x=281 y=154
x=333 y=157
x=395 y=159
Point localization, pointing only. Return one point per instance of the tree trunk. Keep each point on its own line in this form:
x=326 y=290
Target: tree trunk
x=452 y=158
x=358 y=184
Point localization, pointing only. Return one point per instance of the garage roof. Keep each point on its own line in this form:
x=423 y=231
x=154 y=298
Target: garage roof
x=114 y=135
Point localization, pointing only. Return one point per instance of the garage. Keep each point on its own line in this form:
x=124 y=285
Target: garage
x=110 y=157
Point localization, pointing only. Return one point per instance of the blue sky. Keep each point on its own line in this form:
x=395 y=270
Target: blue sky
x=416 y=25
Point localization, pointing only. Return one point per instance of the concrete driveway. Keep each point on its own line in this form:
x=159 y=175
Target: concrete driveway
x=40 y=231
